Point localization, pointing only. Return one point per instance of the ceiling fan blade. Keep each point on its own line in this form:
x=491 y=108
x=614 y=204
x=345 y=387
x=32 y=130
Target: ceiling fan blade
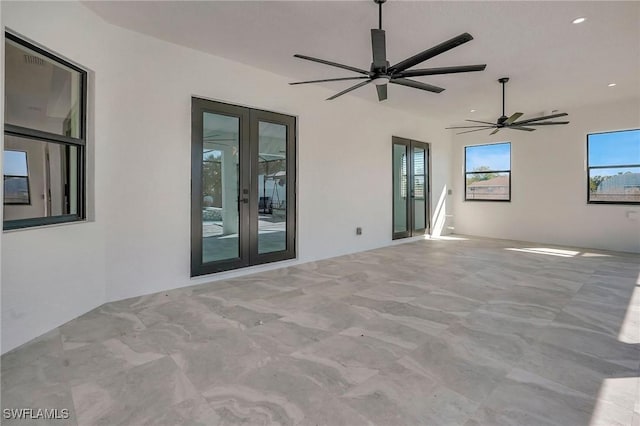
x=430 y=53
x=349 y=89
x=329 y=79
x=526 y=129
x=469 y=131
x=443 y=70
x=382 y=92
x=484 y=122
x=416 y=85
x=333 y=64
x=547 y=123
x=513 y=118
x=379 y=49
x=495 y=131
x=470 y=127
x=546 y=117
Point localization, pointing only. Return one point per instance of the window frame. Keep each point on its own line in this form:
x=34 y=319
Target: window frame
x=589 y=201
x=465 y=173
x=47 y=137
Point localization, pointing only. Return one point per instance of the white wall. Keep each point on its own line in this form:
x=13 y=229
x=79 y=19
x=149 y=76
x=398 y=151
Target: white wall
x=51 y=275
x=139 y=241
x=549 y=185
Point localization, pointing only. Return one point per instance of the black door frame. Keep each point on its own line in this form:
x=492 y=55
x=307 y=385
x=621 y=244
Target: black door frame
x=410 y=199
x=248 y=186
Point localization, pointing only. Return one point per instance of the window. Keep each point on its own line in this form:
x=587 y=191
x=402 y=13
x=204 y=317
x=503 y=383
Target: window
x=16 y=178
x=613 y=167
x=44 y=137
x=488 y=172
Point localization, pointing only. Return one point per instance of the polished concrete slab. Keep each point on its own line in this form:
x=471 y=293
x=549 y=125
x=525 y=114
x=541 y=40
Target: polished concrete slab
x=455 y=331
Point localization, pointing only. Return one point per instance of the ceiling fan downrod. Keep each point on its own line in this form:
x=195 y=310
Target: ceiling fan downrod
x=503 y=80
x=380 y=2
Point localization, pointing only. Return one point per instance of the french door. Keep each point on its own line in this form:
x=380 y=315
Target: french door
x=410 y=188
x=242 y=187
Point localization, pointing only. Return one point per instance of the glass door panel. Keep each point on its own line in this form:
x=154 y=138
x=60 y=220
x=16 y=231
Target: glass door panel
x=220 y=187
x=419 y=189
x=410 y=187
x=400 y=189
x=272 y=187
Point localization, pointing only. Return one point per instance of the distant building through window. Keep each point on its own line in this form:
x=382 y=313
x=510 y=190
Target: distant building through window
x=613 y=164
x=488 y=172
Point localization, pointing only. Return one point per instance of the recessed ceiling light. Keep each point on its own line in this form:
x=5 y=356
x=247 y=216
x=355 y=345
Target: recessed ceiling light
x=473 y=110
x=579 y=20
x=611 y=84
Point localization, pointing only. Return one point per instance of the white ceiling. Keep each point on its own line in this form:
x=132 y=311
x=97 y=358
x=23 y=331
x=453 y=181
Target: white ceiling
x=552 y=63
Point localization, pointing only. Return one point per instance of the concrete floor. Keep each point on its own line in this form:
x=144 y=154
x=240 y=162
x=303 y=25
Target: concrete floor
x=441 y=332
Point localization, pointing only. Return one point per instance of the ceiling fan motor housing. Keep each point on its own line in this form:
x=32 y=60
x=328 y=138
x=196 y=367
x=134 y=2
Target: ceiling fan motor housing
x=377 y=71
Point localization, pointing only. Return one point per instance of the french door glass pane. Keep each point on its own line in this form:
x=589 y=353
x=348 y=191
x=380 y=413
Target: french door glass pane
x=419 y=188
x=272 y=187
x=220 y=187
x=400 y=189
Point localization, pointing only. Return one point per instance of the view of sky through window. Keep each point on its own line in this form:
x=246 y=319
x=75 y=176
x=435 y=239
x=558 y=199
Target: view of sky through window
x=15 y=163
x=615 y=149
x=488 y=157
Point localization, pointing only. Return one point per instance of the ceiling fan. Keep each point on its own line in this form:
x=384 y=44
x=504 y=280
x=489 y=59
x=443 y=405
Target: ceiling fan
x=510 y=122
x=380 y=73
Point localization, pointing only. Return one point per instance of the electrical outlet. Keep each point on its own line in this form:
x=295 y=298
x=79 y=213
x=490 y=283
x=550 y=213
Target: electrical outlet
x=358 y=231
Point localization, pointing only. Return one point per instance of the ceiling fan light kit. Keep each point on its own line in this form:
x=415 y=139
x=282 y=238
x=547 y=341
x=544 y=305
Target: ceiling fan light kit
x=511 y=122
x=380 y=72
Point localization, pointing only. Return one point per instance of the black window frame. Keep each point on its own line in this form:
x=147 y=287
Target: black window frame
x=47 y=137
x=619 y=166
x=466 y=173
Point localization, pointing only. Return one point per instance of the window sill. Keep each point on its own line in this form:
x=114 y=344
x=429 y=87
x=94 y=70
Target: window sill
x=614 y=203
x=45 y=225
x=490 y=201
